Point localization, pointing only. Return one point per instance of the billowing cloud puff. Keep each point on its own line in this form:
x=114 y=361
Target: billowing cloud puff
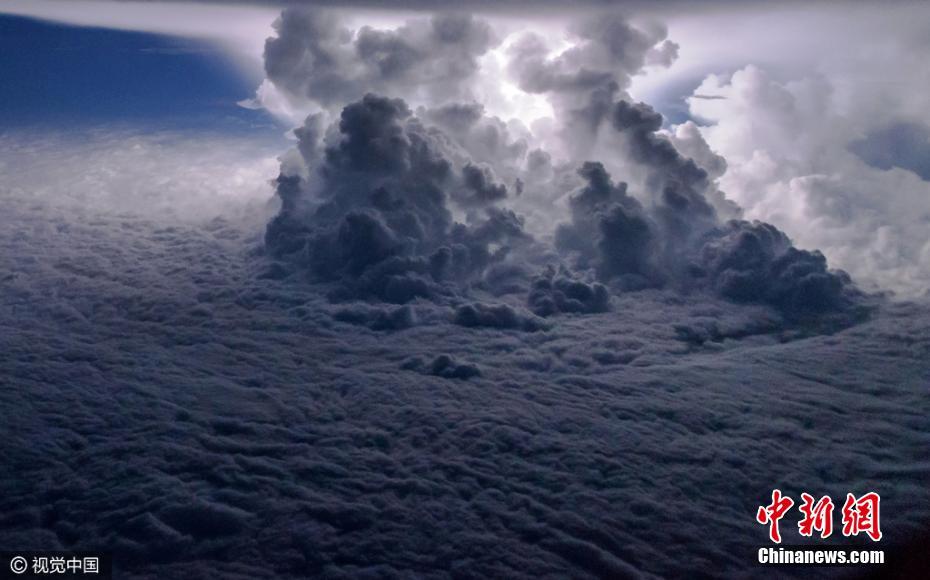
x=678 y=186
x=480 y=184
x=755 y=262
x=390 y=205
x=838 y=170
x=376 y=214
x=446 y=204
x=317 y=58
x=583 y=81
x=609 y=230
x=557 y=292
x=745 y=262
x=373 y=209
x=606 y=51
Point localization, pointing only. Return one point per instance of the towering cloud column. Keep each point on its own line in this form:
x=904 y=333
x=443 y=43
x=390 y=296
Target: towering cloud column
x=387 y=202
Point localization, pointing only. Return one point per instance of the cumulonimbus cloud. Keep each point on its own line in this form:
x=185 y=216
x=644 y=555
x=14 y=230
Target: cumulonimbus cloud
x=814 y=158
x=387 y=202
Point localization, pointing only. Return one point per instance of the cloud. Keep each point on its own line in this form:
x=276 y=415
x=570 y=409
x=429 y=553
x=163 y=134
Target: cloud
x=316 y=57
x=374 y=214
x=804 y=155
x=496 y=316
x=443 y=366
x=481 y=186
x=376 y=318
x=554 y=293
x=189 y=176
x=412 y=5
x=196 y=419
x=754 y=262
x=389 y=203
x=605 y=52
x=902 y=145
x=581 y=81
x=623 y=241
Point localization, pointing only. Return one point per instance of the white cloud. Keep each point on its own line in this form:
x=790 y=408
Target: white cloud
x=786 y=146
x=171 y=176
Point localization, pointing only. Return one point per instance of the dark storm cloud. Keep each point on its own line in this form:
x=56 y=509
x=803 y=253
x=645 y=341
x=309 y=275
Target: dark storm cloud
x=485 y=139
x=374 y=216
x=755 y=262
x=481 y=186
x=689 y=142
x=676 y=241
x=379 y=223
x=747 y=261
x=609 y=230
x=676 y=182
x=557 y=292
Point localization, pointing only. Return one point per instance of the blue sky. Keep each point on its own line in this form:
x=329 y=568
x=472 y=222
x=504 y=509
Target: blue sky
x=58 y=74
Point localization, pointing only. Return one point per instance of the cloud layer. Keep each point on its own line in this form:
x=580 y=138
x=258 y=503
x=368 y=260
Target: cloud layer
x=165 y=401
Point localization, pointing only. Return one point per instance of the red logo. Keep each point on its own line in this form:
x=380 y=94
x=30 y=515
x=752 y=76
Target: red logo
x=774 y=512
x=816 y=517
x=859 y=515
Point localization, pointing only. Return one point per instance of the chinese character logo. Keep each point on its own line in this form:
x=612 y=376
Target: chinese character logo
x=860 y=515
x=817 y=516
x=772 y=513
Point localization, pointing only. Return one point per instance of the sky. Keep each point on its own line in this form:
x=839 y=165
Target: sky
x=152 y=78
x=384 y=289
